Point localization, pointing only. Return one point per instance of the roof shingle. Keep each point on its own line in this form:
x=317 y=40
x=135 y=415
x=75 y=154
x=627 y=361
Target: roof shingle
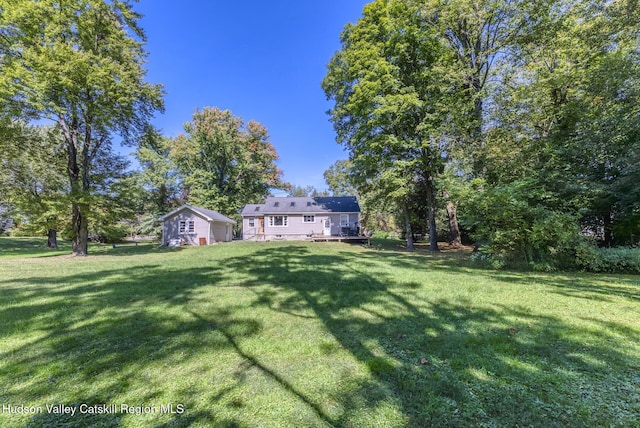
x=300 y=205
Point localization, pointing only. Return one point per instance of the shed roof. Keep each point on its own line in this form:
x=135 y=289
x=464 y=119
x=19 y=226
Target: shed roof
x=209 y=215
x=301 y=205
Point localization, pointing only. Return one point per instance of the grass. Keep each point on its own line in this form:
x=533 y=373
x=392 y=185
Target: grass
x=310 y=334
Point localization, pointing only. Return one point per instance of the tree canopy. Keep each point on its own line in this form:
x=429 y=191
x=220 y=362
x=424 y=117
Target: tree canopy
x=383 y=83
x=530 y=109
x=80 y=65
x=225 y=163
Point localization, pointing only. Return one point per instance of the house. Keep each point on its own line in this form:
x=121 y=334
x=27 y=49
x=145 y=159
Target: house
x=301 y=218
x=195 y=226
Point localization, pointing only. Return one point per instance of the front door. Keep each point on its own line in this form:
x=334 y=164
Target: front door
x=261 y=225
x=327 y=227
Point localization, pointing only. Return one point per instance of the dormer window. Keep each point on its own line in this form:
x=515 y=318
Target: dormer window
x=257 y=208
x=293 y=204
x=276 y=204
x=308 y=204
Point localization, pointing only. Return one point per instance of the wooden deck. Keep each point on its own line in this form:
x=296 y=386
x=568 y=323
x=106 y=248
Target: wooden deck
x=353 y=239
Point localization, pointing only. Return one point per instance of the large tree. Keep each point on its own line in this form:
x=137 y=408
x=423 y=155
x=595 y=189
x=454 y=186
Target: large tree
x=384 y=86
x=78 y=63
x=224 y=162
x=32 y=178
x=157 y=183
x=34 y=182
x=478 y=35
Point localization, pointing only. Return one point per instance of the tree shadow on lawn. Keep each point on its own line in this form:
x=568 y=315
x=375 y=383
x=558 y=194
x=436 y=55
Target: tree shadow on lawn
x=580 y=285
x=570 y=284
x=447 y=362
x=430 y=362
x=37 y=248
x=92 y=335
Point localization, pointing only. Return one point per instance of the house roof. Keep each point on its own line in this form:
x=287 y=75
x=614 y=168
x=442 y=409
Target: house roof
x=209 y=215
x=301 y=205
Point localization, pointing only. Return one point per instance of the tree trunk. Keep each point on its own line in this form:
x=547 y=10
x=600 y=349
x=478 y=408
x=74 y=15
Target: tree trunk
x=454 y=229
x=79 y=183
x=80 y=228
x=431 y=201
x=52 y=239
x=408 y=231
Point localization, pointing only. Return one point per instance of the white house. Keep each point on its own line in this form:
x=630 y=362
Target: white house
x=301 y=218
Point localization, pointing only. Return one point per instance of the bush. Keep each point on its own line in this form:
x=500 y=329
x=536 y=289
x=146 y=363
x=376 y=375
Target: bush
x=517 y=225
x=386 y=235
x=609 y=260
x=485 y=259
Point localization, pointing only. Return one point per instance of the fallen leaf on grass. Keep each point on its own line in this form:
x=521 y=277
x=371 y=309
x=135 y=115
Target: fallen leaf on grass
x=424 y=361
x=512 y=330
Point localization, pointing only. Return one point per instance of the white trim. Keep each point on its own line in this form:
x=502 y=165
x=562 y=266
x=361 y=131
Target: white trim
x=285 y=221
x=188 y=226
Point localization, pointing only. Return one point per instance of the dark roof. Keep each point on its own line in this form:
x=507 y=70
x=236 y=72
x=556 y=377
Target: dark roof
x=330 y=204
x=208 y=214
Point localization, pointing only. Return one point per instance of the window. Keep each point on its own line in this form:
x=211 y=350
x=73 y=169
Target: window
x=276 y=204
x=252 y=222
x=344 y=220
x=257 y=209
x=308 y=204
x=278 y=221
x=188 y=226
x=293 y=204
x=309 y=219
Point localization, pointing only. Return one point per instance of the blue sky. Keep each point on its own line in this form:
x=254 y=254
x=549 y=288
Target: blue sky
x=263 y=60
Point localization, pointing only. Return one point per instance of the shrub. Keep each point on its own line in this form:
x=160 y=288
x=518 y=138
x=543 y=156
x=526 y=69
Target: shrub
x=386 y=235
x=609 y=260
x=518 y=225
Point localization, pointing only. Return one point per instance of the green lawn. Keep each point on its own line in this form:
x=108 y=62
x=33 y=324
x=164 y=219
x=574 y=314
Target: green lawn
x=302 y=334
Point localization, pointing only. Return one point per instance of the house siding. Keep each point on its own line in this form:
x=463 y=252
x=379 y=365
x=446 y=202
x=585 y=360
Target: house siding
x=296 y=228
x=172 y=227
x=249 y=232
x=295 y=209
x=219 y=231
